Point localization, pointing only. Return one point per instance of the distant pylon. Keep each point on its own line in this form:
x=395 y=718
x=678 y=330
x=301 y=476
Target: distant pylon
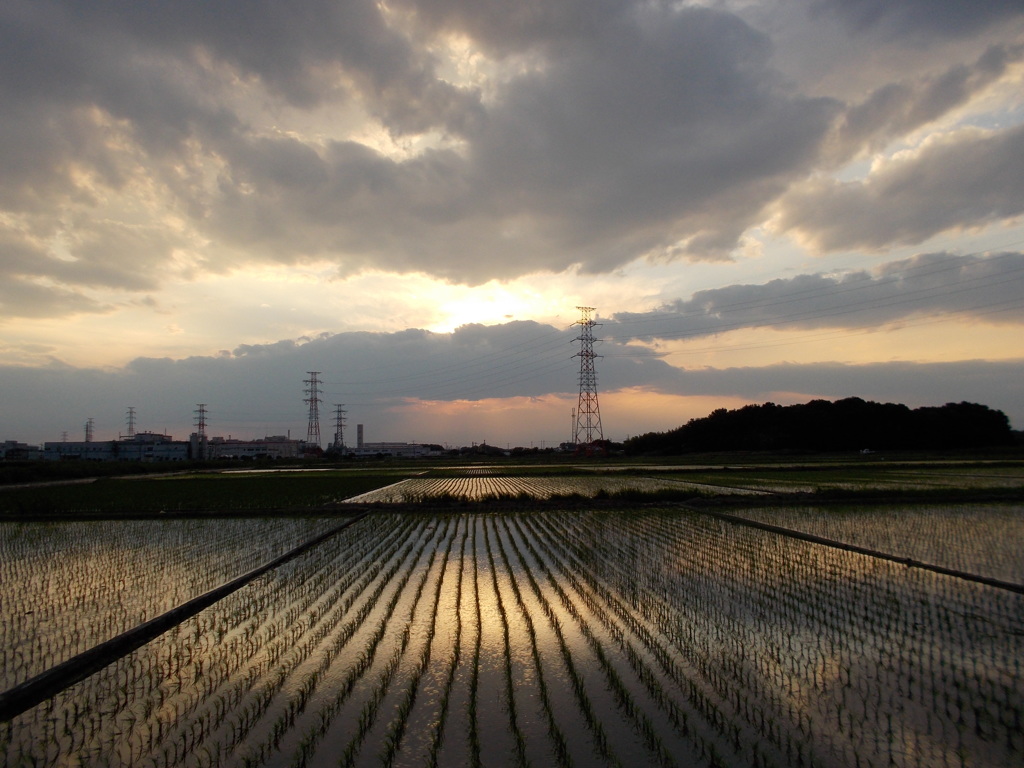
x=339 y=425
x=200 y=419
x=199 y=447
x=88 y=430
x=130 y=418
x=313 y=399
x=588 y=411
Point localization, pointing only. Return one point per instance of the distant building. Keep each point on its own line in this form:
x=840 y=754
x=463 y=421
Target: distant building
x=143 y=446
x=150 y=446
x=12 y=450
x=275 y=447
x=404 y=450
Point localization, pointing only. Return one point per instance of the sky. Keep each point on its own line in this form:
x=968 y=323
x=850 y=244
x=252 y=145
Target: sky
x=762 y=200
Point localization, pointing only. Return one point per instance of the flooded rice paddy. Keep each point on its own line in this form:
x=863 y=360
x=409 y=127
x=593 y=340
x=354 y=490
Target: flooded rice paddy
x=659 y=636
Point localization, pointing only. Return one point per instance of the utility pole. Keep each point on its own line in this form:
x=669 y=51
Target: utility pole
x=313 y=399
x=588 y=411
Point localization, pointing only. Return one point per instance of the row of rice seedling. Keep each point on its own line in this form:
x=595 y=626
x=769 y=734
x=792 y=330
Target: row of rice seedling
x=850 y=477
x=343 y=711
x=605 y=702
x=427 y=725
x=416 y=658
x=341 y=605
x=479 y=488
x=986 y=539
x=979 y=478
x=812 y=649
x=192 y=700
x=662 y=637
x=675 y=677
x=198 y=690
x=538 y=706
x=70 y=586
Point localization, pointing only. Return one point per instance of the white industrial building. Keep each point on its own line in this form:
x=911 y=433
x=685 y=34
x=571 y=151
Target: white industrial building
x=403 y=450
x=152 y=446
x=143 y=446
x=275 y=447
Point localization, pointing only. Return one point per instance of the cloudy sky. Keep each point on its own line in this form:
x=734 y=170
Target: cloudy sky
x=763 y=199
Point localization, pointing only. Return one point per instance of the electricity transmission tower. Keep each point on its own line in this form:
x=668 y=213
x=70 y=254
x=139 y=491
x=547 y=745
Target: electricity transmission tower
x=88 y=429
x=199 y=441
x=131 y=423
x=339 y=426
x=588 y=411
x=313 y=399
x=200 y=420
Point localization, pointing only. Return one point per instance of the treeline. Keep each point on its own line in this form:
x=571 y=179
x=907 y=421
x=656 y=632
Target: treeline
x=822 y=425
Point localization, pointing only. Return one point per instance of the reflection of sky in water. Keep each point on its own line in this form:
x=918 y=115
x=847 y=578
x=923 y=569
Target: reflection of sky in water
x=834 y=653
x=986 y=539
x=818 y=626
x=72 y=585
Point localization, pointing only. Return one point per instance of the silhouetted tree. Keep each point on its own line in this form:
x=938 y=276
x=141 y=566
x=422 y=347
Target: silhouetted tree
x=823 y=425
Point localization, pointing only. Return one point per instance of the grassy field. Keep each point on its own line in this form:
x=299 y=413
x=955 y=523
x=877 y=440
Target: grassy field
x=188 y=493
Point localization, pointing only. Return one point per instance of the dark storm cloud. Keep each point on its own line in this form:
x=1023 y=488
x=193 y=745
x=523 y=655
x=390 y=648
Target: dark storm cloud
x=931 y=285
x=503 y=28
x=966 y=180
x=919 y=19
x=295 y=49
x=34 y=283
x=618 y=129
x=896 y=108
x=80 y=100
x=661 y=127
x=26 y=286
x=372 y=370
x=652 y=126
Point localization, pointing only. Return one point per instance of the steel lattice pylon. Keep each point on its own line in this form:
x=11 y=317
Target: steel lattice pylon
x=339 y=425
x=313 y=392
x=588 y=412
x=200 y=434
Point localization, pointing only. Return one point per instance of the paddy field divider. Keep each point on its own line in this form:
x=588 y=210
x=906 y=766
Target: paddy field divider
x=45 y=685
x=813 y=539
